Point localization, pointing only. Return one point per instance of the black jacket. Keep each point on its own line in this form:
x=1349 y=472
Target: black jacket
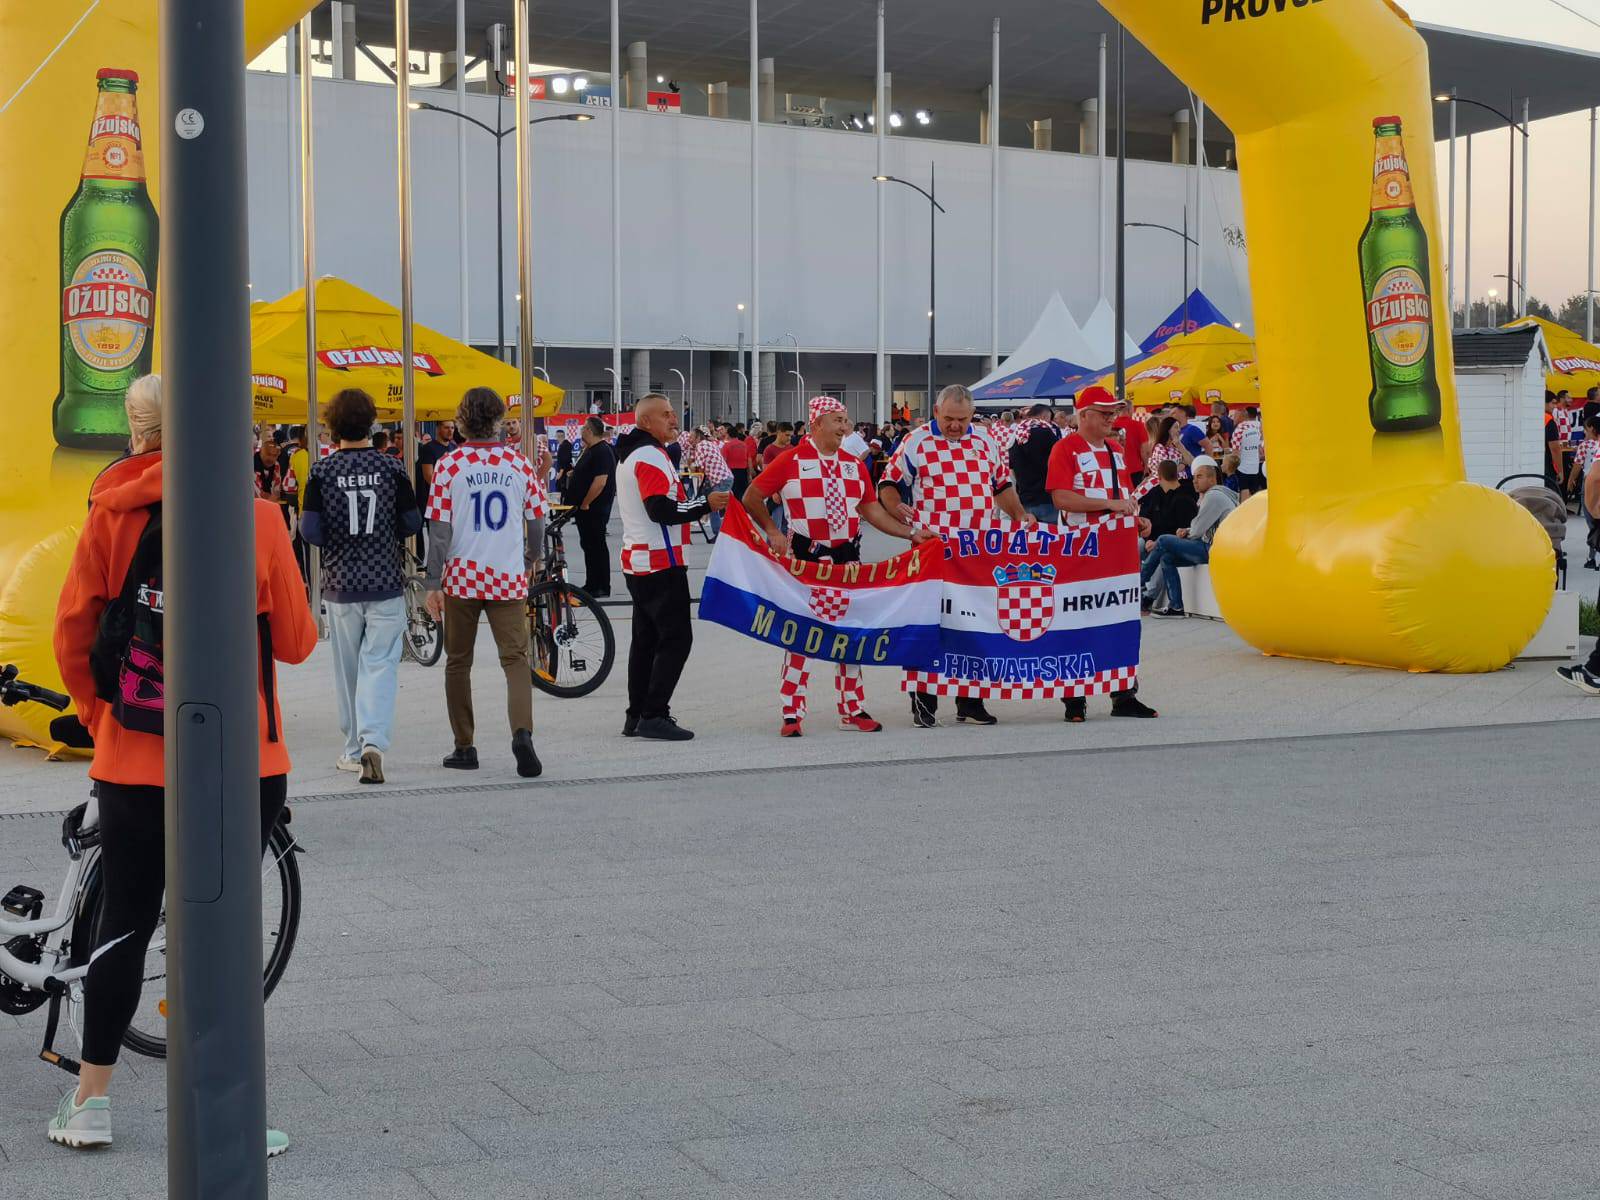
x=598 y=459
x=1171 y=511
x=1030 y=461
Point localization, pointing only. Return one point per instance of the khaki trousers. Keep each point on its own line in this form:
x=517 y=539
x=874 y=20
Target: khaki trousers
x=508 y=621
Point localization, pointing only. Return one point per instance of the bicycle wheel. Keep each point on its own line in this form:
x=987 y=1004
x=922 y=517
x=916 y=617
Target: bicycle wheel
x=571 y=642
x=424 y=637
x=280 y=913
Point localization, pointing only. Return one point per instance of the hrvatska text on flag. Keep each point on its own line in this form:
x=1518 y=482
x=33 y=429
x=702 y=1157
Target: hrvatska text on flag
x=1035 y=612
x=871 y=614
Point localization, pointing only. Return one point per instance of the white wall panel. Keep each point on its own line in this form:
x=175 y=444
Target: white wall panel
x=686 y=226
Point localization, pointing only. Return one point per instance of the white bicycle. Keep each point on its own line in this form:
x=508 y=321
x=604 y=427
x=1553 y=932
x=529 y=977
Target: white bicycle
x=44 y=959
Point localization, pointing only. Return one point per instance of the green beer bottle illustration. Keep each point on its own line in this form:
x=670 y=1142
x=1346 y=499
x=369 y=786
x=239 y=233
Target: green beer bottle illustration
x=1394 y=275
x=109 y=239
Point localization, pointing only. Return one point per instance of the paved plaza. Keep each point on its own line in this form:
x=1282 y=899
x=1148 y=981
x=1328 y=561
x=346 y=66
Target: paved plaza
x=1318 y=933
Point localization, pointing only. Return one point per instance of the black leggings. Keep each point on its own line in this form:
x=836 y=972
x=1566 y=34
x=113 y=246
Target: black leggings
x=133 y=869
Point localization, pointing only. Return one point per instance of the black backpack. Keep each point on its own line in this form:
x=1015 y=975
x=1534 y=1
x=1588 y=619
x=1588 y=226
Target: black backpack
x=126 y=658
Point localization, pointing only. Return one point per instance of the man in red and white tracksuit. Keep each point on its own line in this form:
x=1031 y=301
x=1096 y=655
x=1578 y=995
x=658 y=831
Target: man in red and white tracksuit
x=655 y=535
x=825 y=493
x=1089 y=478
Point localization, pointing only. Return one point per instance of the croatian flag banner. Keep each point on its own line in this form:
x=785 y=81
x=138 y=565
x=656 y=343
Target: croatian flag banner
x=1034 y=612
x=872 y=614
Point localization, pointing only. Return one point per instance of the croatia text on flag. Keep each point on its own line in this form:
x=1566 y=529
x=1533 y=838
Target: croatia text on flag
x=1046 y=611
x=874 y=614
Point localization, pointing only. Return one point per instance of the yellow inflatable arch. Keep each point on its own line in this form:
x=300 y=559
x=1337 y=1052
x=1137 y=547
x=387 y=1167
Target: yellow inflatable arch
x=50 y=55
x=1372 y=548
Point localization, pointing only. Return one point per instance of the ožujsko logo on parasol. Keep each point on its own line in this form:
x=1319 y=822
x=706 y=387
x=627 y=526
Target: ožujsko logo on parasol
x=106 y=309
x=1574 y=364
x=270 y=383
x=1154 y=374
x=353 y=357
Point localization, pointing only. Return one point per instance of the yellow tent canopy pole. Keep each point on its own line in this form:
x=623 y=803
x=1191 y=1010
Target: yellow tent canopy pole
x=358 y=345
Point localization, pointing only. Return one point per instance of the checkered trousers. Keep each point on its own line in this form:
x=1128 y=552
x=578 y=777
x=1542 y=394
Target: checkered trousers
x=953 y=483
x=796 y=674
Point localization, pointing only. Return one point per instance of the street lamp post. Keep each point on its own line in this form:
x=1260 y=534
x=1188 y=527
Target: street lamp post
x=616 y=380
x=684 y=386
x=800 y=406
x=1187 y=242
x=1512 y=129
x=1493 y=294
x=934 y=206
x=499 y=135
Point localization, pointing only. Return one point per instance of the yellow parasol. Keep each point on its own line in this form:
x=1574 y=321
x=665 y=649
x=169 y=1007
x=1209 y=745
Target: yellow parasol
x=1215 y=362
x=1574 y=363
x=358 y=339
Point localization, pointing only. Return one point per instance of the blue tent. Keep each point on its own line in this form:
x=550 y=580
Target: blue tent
x=1054 y=378
x=1186 y=318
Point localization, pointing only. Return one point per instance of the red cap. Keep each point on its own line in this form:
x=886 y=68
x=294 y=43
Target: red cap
x=117 y=73
x=1095 y=397
x=1376 y=121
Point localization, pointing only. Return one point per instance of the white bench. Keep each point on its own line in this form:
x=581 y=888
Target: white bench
x=1558 y=636
x=1198 y=598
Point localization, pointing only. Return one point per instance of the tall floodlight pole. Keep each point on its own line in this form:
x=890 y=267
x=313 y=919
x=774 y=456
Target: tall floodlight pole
x=755 y=217
x=1466 y=241
x=994 y=199
x=1100 y=175
x=216 y=1071
x=1511 y=213
x=402 y=125
x=616 y=201
x=308 y=273
x=1450 y=258
x=1589 y=298
x=1122 y=236
x=1199 y=194
x=524 y=229
x=292 y=149
x=880 y=132
x=1527 y=142
x=461 y=164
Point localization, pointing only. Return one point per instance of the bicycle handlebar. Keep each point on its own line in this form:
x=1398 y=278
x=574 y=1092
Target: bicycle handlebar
x=17 y=691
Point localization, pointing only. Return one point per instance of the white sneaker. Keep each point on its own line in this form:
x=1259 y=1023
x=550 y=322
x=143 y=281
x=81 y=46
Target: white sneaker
x=371 y=764
x=81 y=1126
x=346 y=763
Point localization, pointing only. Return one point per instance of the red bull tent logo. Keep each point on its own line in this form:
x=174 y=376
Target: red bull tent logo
x=376 y=356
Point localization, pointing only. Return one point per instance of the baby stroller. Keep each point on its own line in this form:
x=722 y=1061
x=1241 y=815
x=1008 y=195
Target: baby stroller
x=1549 y=508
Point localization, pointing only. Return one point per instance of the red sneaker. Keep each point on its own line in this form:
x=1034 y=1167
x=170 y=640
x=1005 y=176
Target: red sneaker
x=791 y=728
x=860 y=722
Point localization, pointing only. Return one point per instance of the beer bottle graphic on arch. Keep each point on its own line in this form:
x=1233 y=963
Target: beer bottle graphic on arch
x=109 y=239
x=1395 y=277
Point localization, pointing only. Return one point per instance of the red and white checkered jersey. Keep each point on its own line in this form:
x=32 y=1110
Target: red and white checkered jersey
x=648 y=546
x=822 y=494
x=707 y=459
x=1004 y=434
x=1563 y=418
x=953 y=483
x=1588 y=451
x=486 y=491
x=1161 y=454
x=1098 y=472
x=1247 y=445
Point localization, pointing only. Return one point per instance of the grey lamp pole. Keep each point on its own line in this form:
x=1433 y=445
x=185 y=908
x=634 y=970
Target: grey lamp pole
x=499 y=135
x=216 y=1076
x=1187 y=240
x=933 y=225
x=1512 y=129
x=1121 y=332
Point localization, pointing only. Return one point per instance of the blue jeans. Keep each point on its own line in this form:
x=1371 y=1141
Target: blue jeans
x=1170 y=553
x=1047 y=512
x=366 y=660
x=716 y=518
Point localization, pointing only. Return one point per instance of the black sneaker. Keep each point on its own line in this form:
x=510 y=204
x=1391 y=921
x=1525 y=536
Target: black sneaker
x=663 y=729
x=923 y=713
x=974 y=711
x=630 y=725
x=1162 y=614
x=1077 y=710
x=462 y=758
x=1578 y=676
x=1126 y=704
x=528 y=764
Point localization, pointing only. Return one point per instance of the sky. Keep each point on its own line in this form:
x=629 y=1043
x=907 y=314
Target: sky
x=1558 y=181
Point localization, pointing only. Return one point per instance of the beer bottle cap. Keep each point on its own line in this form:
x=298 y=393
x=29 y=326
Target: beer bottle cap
x=117 y=73
x=1376 y=121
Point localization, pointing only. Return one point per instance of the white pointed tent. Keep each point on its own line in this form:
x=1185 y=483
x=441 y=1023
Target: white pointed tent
x=1100 y=331
x=1054 y=343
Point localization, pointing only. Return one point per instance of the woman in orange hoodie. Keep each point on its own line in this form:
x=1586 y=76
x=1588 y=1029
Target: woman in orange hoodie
x=129 y=765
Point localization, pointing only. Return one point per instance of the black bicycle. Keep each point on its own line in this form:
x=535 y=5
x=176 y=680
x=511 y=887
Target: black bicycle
x=572 y=642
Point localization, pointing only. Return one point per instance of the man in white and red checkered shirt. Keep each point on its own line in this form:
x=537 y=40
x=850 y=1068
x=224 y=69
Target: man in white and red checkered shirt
x=485 y=511
x=825 y=493
x=1089 y=479
x=656 y=516
x=705 y=456
x=958 y=477
x=1247 y=443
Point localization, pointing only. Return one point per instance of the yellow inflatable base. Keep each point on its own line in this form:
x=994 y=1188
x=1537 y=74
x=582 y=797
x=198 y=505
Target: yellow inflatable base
x=1425 y=578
